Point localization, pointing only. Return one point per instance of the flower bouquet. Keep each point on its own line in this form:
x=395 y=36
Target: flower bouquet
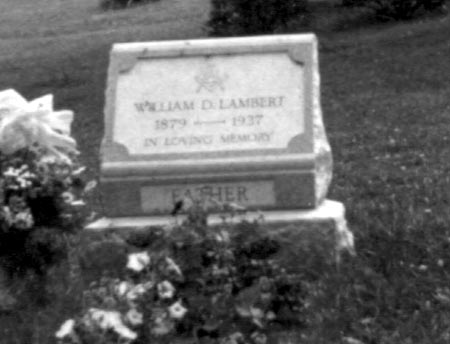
x=41 y=183
x=195 y=284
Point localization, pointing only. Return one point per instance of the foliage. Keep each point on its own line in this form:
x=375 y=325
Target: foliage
x=41 y=183
x=41 y=200
x=248 y=17
x=235 y=284
x=431 y=5
x=398 y=9
x=118 y=4
x=352 y=3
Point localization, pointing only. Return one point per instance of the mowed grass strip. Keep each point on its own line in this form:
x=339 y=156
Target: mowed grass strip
x=385 y=97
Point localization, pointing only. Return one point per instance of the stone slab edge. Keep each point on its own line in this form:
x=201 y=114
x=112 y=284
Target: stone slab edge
x=328 y=211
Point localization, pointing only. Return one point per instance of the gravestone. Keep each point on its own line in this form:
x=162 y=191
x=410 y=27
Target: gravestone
x=227 y=121
x=230 y=120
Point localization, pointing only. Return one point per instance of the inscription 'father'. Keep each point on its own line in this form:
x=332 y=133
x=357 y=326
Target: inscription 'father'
x=162 y=198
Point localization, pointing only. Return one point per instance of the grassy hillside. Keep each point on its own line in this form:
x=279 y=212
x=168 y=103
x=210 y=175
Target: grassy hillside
x=62 y=47
x=385 y=96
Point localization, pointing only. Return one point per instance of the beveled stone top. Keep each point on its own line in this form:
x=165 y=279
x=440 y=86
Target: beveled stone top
x=216 y=98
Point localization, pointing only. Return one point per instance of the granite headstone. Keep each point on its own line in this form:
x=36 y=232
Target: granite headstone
x=234 y=120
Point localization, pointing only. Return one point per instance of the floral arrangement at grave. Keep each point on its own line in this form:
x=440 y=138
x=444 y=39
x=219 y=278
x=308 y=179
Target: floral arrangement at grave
x=41 y=183
x=191 y=283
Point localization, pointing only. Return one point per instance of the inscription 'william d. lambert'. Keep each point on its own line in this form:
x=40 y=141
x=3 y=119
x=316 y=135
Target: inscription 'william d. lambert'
x=210 y=104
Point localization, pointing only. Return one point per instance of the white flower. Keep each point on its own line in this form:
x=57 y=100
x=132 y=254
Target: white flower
x=423 y=267
x=123 y=288
x=25 y=123
x=68 y=197
x=134 y=317
x=78 y=203
x=138 y=261
x=166 y=290
x=11 y=172
x=66 y=329
x=177 y=310
x=48 y=160
x=256 y=314
x=125 y=332
x=270 y=316
x=110 y=320
x=23 y=183
x=23 y=220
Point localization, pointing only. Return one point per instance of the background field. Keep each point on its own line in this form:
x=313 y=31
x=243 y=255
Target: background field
x=386 y=103
x=62 y=47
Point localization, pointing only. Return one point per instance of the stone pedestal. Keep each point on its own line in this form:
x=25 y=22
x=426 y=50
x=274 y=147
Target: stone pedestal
x=324 y=226
x=235 y=122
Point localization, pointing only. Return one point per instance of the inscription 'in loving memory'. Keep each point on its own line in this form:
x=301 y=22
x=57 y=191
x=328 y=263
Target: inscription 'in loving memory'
x=200 y=140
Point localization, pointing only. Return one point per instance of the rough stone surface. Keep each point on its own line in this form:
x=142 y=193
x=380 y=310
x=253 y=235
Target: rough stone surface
x=322 y=149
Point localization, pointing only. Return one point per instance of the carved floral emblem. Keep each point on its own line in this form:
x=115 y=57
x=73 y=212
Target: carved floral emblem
x=210 y=79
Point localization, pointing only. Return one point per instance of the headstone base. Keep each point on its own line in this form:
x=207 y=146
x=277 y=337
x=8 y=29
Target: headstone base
x=324 y=226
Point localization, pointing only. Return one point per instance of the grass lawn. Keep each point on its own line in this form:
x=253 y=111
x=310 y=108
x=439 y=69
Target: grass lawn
x=386 y=104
